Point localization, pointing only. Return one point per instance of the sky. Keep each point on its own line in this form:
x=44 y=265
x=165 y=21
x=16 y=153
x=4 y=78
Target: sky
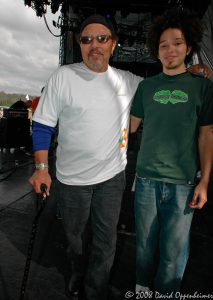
x=29 y=53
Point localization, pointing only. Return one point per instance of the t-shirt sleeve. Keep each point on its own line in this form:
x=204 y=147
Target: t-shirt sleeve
x=49 y=105
x=137 y=106
x=206 y=112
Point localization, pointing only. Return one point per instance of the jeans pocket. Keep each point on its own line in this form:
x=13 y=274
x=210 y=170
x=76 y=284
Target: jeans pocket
x=120 y=179
x=143 y=180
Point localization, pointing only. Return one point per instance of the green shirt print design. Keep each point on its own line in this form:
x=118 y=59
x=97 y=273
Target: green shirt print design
x=165 y=96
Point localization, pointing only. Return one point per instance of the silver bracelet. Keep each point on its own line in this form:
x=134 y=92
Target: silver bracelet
x=41 y=166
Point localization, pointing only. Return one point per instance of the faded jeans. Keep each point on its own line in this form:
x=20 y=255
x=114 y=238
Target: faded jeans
x=163 y=220
x=99 y=205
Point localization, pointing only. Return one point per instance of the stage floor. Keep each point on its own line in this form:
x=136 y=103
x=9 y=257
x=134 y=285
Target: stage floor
x=49 y=268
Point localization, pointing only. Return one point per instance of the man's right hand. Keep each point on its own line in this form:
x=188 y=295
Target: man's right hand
x=39 y=177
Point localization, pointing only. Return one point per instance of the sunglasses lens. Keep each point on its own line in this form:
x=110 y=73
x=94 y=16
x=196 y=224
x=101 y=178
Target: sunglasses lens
x=86 y=39
x=102 y=38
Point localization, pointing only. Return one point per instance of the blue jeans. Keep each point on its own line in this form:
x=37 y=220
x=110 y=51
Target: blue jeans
x=163 y=220
x=99 y=206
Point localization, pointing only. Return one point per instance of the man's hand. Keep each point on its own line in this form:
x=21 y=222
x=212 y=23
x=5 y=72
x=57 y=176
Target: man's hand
x=200 y=196
x=201 y=69
x=39 y=177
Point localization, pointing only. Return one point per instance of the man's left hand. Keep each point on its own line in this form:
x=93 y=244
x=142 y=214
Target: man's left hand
x=200 y=196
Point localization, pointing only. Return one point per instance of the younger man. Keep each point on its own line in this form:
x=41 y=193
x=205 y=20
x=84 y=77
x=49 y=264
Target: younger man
x=176 y=108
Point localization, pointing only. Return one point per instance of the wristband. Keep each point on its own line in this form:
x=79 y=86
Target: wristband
x=41 y=166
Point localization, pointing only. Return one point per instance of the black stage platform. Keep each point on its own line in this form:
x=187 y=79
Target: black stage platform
x=49 y=267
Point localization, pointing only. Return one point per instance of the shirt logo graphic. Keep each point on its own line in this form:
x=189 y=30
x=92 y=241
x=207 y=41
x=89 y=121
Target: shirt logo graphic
x=165 y=96
x=123 y=138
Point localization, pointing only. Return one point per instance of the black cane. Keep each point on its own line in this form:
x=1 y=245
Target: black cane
x=43 y=189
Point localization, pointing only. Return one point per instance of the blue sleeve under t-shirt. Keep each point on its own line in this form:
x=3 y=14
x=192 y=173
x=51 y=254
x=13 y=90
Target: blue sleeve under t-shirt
x=41 y=136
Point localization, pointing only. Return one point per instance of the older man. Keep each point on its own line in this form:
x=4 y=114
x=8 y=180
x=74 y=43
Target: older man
x=91 y=101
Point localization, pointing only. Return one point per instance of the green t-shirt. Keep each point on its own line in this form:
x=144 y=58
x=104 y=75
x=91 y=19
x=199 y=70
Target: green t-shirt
x=172 y=109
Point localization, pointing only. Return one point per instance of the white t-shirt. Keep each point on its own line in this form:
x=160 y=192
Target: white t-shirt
x=93 y=113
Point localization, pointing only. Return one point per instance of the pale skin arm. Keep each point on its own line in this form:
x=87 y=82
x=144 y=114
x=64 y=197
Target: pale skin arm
x=134 y=123
x=41 y=176
x=206 y=158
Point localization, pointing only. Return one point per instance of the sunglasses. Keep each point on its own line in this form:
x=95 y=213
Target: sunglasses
x=102 y=39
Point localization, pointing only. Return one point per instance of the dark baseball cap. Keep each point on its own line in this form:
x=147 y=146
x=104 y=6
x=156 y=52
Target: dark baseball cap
x=98 y=19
